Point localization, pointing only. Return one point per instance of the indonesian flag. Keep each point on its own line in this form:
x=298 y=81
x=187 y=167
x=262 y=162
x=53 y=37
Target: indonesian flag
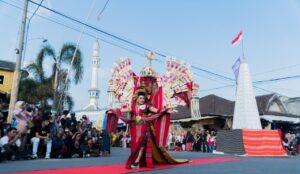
x=237 y=38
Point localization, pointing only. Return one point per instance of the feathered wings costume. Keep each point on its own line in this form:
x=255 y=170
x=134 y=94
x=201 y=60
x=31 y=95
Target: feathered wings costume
x=174 y=88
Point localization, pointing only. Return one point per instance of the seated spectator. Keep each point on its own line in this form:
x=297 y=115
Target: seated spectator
x=73 y=123
x=63 y=119
x=67 y=144
x=58 y=144
x=41 y=134
x=10 y=144
x=83 y=126
x=86 y=119
x=77 y=146
x=1 y=124
x=37 y=116
x=298 y=142
x=53 y=126
x=92 y=148
x=178 y=146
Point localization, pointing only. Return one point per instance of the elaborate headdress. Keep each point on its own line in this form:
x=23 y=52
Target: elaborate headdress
x=148 y=71
x=141 y=91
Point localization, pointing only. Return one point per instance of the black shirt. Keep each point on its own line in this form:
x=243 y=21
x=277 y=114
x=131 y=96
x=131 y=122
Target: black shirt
x=42 y=131
x=73 y=123
x=63 y=123
x=189 y=138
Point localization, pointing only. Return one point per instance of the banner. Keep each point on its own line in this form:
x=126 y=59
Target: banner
x=236 y=68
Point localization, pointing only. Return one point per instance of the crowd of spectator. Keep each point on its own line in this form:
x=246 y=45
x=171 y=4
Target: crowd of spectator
x=205 y=141
x=291 y=142
x=199 y=141
x=36 y=134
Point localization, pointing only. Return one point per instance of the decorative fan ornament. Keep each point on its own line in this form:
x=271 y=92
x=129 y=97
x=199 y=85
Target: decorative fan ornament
x=177 y=83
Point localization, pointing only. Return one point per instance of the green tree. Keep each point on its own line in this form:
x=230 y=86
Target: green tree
x=41 y=88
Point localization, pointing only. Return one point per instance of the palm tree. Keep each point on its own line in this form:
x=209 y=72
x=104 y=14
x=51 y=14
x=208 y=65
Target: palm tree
x=45 y=88
x=65 y=57
x=38 y=87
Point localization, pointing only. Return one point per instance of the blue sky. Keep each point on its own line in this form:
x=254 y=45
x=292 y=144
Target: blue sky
x=197 y=31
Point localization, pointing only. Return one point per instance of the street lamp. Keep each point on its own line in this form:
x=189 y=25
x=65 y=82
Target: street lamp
x=44 y=40
x=39 y=38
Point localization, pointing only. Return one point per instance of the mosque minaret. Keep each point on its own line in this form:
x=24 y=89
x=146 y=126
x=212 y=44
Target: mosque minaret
x=93 y=110
x=94 y=92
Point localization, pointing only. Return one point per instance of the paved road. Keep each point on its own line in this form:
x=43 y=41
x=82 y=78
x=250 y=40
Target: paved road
x=247 y=165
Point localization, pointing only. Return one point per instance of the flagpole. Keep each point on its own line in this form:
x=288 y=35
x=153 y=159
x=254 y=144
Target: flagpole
x=243 y=55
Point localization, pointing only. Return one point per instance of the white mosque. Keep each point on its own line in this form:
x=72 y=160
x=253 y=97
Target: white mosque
x=92 y=110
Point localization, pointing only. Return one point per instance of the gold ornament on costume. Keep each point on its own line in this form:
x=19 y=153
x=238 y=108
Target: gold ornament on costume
x=148 y=71
x=178 y=79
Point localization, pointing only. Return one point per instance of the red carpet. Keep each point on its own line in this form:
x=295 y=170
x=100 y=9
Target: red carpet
x=120 y=168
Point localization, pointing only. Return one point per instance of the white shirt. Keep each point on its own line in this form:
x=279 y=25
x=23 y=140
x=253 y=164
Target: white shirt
x=4 y=140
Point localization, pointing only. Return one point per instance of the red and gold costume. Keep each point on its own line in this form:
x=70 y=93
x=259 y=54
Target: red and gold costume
x=152 y=130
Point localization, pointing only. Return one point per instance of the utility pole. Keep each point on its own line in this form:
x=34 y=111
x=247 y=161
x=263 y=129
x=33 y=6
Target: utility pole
x=17 y=73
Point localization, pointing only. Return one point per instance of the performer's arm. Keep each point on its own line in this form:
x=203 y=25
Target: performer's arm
x=153 y=109
x=119 y=113
x=122 y=110
x=125 y=110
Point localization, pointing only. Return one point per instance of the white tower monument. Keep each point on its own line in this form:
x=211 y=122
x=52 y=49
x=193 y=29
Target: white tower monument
x=94 y=91
x=246 y=114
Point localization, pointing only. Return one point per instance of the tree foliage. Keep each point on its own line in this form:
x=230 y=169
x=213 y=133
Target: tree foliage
x=39 y=88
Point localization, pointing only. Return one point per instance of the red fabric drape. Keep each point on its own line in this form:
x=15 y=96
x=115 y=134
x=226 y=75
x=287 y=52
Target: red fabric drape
x=140 y=134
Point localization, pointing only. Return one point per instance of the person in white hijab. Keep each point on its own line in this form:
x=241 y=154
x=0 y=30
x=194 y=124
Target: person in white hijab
x=22 y=116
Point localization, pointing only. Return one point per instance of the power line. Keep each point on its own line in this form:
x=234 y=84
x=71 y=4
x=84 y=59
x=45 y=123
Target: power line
x=77 y=30
x=27 y=30
x=132 y=43
x=216 y=88
x=97 y=29
x=39 y=5
x=210 y=78
x=277 y=69
x=127 y=41
x=212 y=73
x=278 y=79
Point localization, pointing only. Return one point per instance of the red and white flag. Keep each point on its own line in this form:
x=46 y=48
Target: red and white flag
x=237 y=38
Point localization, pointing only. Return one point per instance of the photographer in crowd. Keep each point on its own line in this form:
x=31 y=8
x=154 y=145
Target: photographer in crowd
x=64 y=136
